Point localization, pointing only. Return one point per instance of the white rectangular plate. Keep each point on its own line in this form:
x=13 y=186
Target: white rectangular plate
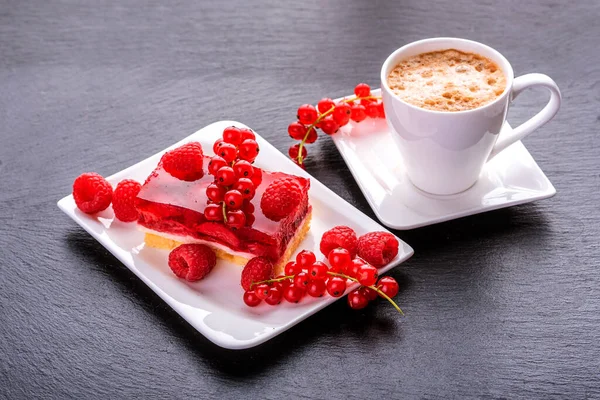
x=214 y=306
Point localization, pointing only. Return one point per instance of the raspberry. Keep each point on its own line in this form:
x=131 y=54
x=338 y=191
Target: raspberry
x=192 y=261
x=256 y=270
x=92 y=193
x=339 y=236
x=124 y=200
x=185 y=162
x=377 y=248
x=280 y=198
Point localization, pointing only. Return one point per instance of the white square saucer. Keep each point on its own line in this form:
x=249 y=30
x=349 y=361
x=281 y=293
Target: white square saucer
x=370 y=151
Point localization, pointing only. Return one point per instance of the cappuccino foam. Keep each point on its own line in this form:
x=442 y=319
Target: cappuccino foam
x=447 y=80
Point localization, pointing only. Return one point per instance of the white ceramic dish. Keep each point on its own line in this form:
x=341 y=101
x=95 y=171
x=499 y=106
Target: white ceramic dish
x=370 y=151
x=214 y=306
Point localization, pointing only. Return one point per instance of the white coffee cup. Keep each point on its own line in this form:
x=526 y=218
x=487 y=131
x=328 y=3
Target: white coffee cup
x=444 y=152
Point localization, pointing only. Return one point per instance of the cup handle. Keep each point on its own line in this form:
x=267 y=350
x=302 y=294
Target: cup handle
x=548 y=112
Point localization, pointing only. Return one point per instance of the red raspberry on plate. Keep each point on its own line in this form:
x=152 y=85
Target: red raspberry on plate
x=377 y=248
x=280 y=198
x=339 y=236
x=185 y=162
x=256 y=270
x=124 y=200
x=192 y=261
x=92 y=193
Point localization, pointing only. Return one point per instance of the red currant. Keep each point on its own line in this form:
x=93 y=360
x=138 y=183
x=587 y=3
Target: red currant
x=307 y=114
x=305 y=259
x=246 y=188
x=248 y=207
x=380 y=110
x=236 y=219
x=312 y=136
x=225 y=176
x=388 y=285
x=325 y=105
x=282 y=284
x=339 y=259
x=274 y=297
x=250 y=219
x=367 y=275
x=214 y=212
x=329 y=126
x=215 y=164
x=372 y=110
x=369 y=293
x=362 y=90
x=318 y=270
x=232 y=135
x=292 y=268
x=341 y=114
x=218 y=143
x=243 y=169
x=215 y=193
x=295 y=149
x=297 y=131
x=358 y=113
x=336 y=286
x=316 y=288
x=302 y=279
x=228 y=152
x=247 y=134
x=251 y=299
x=233 y=199
x=357 y=300
x=257 y=177
x=354 y=267
x=248 y=150
x=293 y=293
x=262 y=291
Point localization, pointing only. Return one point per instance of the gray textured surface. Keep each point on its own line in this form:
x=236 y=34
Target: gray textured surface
x=501 y=305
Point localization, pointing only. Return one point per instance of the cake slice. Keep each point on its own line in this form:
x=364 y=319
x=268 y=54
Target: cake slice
x=171 y=212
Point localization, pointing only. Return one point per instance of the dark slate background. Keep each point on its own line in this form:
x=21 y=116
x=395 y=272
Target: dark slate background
x=500 y=305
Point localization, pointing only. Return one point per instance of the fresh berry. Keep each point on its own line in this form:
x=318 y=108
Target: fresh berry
x=297 y=131
x=305 y=259
x=292 y=268
x=329 y=125
x=378 y=248
x=341 y=114
x=354 y=267
x=336 y=286
x=247 y=134
x=250 y=218
x=362 y=90
x=248 y=150
x=388 y=285
x=251 y=299
x=214 y=212
x=339 y=259
x=248 y=207
x=281 y=284
x=215 y=192
x=262 y=290
x=358 y=113
x=123 y=200
x=369 y=293
x=185 y=162
x=256 y=270
x=381 y=110
x=325 y=105
x=312 y=136
x=318 y=270
x=339 y=236
x=274 y=297
x=307 y=114
x=233 y=200
x=367 y=275
x=92 y=193
x=192 y=261
x=357 y=300
x=232 y=135
x=225 y=176
x=243 y=169
x=215 y=164
x=372 y=110
x=295 y=149
x=236 y=219
x=246 y=187
x=302 y=279
x=316 y=288
x=280 y=198
x=293 y=293
x=228 y=152
x=218 y=143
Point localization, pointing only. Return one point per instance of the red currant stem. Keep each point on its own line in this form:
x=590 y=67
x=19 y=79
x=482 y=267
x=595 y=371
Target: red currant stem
x=283 y=278
x=385 y=296
x=224 y=212
x=355 y=98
